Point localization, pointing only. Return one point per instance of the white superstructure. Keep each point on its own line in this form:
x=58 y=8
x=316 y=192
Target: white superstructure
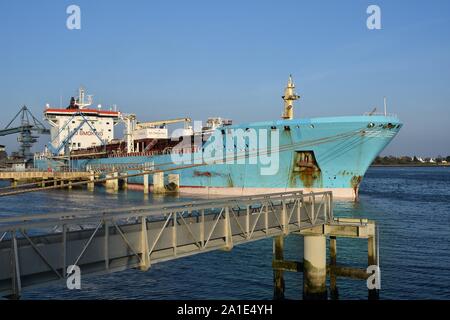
x=80 y=127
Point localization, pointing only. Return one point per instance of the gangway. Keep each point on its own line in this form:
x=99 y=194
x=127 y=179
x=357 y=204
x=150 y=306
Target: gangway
x=38 y=249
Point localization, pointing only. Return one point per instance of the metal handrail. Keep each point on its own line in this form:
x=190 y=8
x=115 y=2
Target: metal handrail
x=393 y=115
x=77 y=217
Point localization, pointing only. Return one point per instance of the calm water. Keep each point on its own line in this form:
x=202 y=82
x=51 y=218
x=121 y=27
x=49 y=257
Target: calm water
x=411 y=206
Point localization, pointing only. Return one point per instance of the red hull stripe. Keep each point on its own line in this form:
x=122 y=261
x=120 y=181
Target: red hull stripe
x=90 y=111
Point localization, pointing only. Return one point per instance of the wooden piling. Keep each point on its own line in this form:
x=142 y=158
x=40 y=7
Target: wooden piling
x=333 y=263
x=372 y=260
x=278 y=275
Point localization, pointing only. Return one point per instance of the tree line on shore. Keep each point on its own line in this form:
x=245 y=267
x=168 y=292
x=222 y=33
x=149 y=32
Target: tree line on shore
x=392 y=160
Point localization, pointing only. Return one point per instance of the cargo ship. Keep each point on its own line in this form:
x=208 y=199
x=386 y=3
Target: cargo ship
x=220 y=157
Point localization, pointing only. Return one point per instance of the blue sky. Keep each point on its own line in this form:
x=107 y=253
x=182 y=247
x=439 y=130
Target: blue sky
x=165 y=59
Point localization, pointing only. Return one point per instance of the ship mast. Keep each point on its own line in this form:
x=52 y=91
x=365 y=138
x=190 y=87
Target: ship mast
x=289 y=97
x=81 y=99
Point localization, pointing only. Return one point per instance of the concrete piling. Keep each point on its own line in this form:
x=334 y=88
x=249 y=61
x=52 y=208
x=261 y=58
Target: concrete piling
x=145 y=177
x=315 y=267
x=91 y=184
x=108 y=184
x=158 y=182
x=115 y=182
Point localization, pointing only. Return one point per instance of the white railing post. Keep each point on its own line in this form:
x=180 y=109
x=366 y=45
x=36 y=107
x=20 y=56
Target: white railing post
x=228 y=232
x=145 y=253
x=174 y=233
x=247 y=223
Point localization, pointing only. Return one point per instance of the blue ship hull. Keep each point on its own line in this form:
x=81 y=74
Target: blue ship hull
x=315 y=154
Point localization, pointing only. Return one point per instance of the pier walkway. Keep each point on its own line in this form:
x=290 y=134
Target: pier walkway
x=43 y=175
x=37 y=249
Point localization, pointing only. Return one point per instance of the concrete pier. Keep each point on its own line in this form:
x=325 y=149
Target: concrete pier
x=108 y=183
x=115 y=181
x=158 y=182
x=184 y=229
x=112 y=183
x=143 y=237
x=315 y=267
x=41 y=175
x=145 y=177
x=91 y=184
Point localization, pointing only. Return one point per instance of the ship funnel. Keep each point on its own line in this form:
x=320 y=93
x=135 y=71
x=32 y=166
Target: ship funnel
x=289 y=97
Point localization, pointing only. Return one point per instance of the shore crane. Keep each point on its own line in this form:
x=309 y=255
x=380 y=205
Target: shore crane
x=27 y=128
x=131 y=125
x=163 y=123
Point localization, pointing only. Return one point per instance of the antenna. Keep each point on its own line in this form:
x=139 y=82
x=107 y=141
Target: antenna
x=289 y=99
x=385 y=107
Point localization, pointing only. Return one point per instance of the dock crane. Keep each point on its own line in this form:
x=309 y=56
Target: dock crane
x=131 y=125
x=154 y=124
x=27 y=128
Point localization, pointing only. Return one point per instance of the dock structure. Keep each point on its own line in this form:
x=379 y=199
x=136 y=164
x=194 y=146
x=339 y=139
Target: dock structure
x=113 y=181
x=314 y=266
x=41 y=248
x=45 y=177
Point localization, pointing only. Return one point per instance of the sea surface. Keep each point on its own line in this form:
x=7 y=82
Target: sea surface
x=410 y=205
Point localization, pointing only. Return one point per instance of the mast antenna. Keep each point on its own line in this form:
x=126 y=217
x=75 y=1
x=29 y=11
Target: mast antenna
x=289 y=97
